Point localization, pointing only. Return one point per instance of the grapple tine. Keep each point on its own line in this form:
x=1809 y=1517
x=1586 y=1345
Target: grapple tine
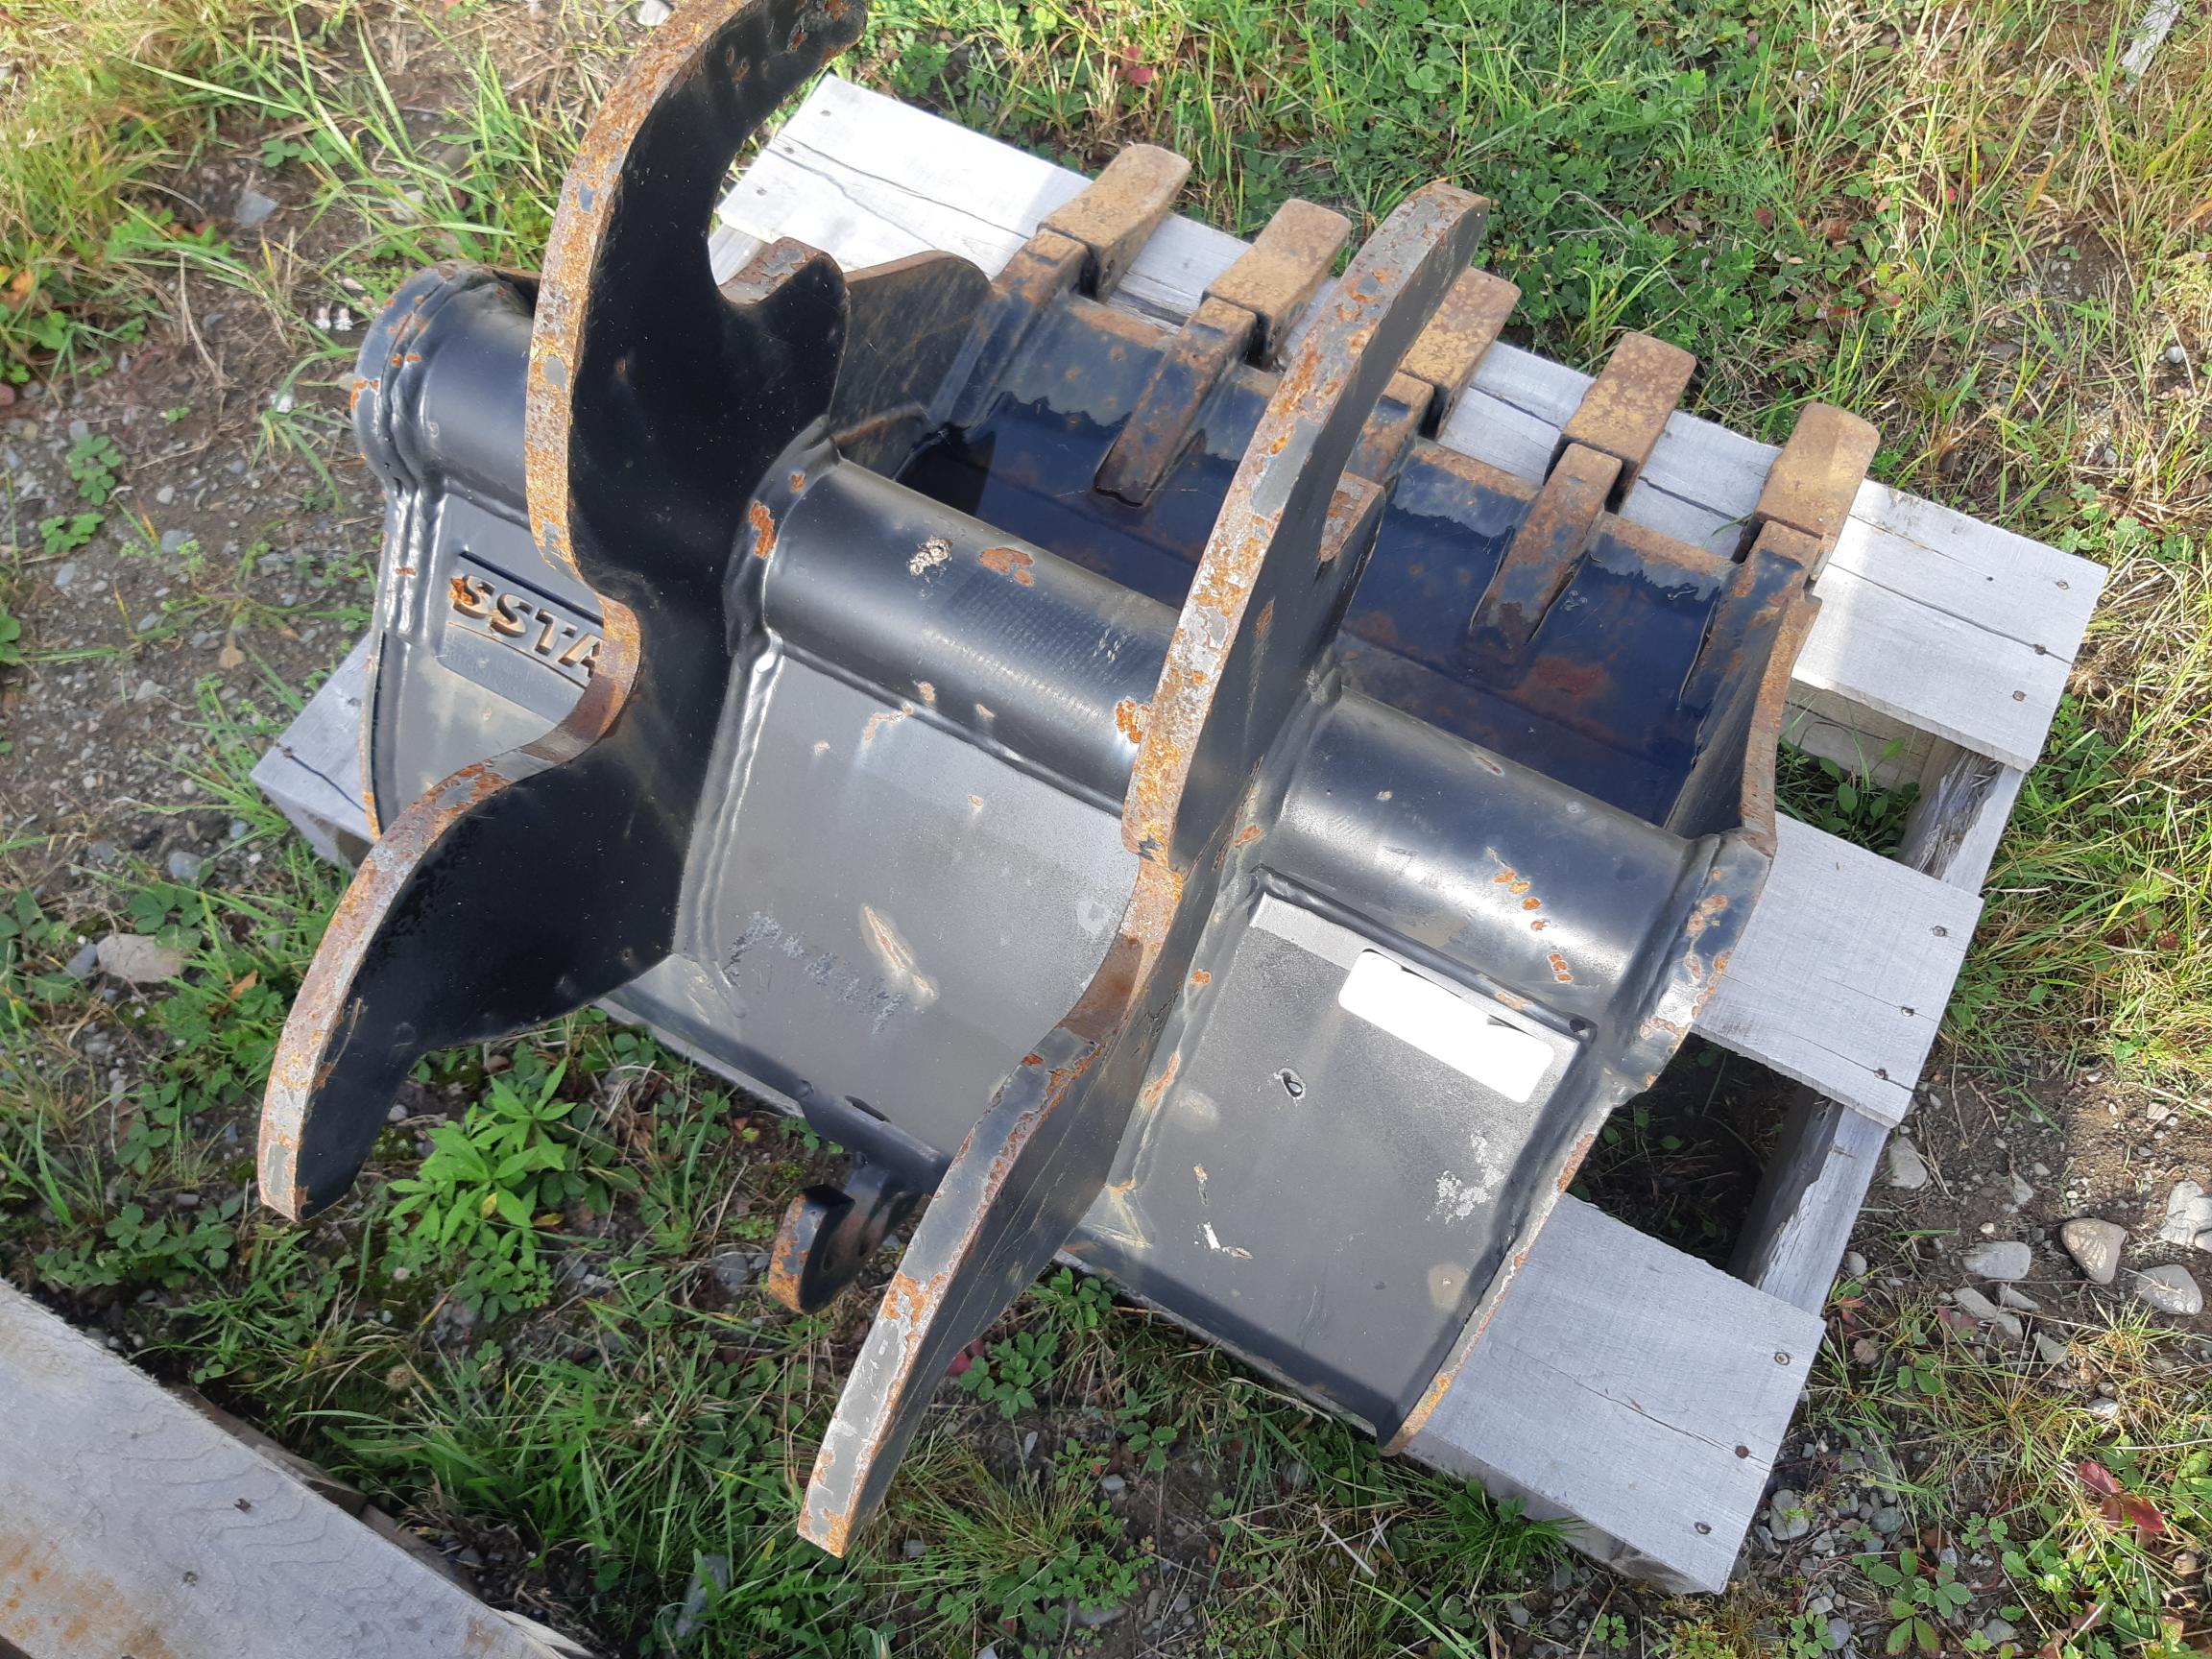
x=1235 y=668
x=600 y=808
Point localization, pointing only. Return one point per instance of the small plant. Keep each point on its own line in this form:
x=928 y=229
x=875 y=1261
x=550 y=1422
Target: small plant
x=1609 y=1630
x=1805 y=1637
x=1009 y=1376
x=1919 y=1601
x=27 y=933
x=1149 y=1440
x=67 y=532
x=1075 y=1304
x=10 y=638
x=92 y=463
x=488 y=1187
x=1849 y=805
x=136 y=1249
x=1016 y=1554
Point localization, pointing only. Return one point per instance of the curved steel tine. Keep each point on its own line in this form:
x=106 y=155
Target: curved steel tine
x=523 y=887
x=1266 y=596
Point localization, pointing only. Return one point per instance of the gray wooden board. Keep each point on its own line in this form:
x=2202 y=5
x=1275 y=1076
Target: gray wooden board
x=1634 y=1388
x=1809 y=1198
x=1954 y=626
x=314 y=770
x=1844 y=972
x=132 y=1523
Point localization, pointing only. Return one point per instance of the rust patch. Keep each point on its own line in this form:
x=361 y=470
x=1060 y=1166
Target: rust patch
x=1129 y=719
x=1200 y=978
x=1705 y=913
x=928 y=691
x=1559 y=971
x=881 y=718
x=1011 y=561
x=1156 y=1090
x=787 y=1259
x=763 y=529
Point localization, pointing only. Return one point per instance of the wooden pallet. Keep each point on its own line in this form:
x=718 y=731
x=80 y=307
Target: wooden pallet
x=133 y=1523
x=1623 y=1384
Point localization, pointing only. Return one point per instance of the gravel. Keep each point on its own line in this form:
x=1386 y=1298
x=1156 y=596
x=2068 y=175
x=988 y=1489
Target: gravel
x=2095 y=1246
x=2170 y=1289
x=1906 y=1170
x=2188 y=1217
x=253 y=208
x=2000 y=1259
x=1787 y=1515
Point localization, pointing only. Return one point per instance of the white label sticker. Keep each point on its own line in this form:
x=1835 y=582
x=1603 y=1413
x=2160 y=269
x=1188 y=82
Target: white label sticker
x=1446 y=1026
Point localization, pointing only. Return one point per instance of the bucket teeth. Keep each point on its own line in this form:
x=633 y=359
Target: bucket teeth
x=1601 y=449
x=1083 y=246
x=1434 y=372
x=1246 y=316
x=1276 y=278
x=1116 y=215
x=1817 y=477
x=1625 y=409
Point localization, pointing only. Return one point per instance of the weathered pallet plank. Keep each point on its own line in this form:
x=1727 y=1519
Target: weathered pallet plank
x=132 y=1523
x=314 y=770
x=1809 y=1198
x=1633 y=1388
x=865 y=177
x=1844 y=972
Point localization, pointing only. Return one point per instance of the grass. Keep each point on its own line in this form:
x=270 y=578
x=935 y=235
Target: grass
x=1961 y=220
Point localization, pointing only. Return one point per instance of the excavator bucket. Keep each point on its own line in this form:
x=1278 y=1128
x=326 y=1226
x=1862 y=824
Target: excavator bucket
x=1126 y=785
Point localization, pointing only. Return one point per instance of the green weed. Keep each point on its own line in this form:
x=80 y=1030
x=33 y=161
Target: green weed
x=1010 y=1556
x=1846 y=802
x=491 y=1183
x=67 y=532
x=1921 y=1599
x=1012 y=1371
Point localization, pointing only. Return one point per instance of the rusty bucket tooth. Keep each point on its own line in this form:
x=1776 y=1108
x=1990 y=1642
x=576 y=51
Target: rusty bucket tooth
x=1276 y=278
x=1817 y=477
x=1457 y=340
x=1603 y=445
x=1246 y=316
x=1115 y=217
x=1083 y=246
x=1627 y=407
x=1235 y=668
x=1434 y=372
